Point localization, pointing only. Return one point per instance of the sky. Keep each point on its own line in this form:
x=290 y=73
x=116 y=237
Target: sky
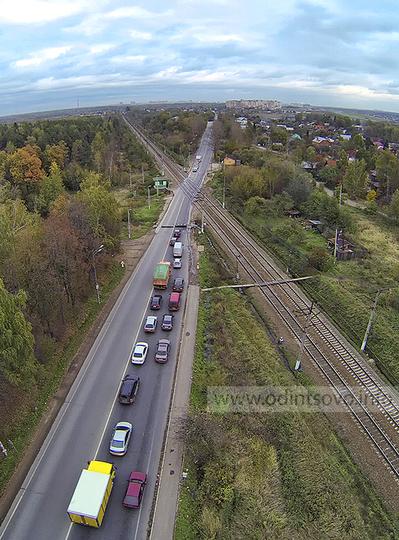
x=60 y=53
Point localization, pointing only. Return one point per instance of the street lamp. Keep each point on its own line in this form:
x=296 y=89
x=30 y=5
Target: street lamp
x=93 y=253
x=128 y=223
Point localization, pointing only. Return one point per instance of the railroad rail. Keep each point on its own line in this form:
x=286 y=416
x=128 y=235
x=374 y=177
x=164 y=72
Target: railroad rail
x=322 y=345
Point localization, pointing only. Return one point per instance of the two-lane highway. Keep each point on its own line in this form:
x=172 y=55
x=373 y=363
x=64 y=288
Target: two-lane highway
x=83 y=427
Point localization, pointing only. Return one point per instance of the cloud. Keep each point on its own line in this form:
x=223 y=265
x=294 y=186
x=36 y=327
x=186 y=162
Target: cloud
x=40 y=57
x=145 y=36
x=100 y=48
x=38 y=11
x=128 y=58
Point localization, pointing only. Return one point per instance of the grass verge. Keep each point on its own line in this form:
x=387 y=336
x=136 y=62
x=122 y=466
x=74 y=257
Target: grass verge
x=263 y=475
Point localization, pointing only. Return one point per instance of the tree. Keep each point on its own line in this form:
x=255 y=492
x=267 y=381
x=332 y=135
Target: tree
x=387 y=168
x=56 y=153
x=319 y=258
x=103 y=209
x=247 y=183
x=17 y=363
x=26 y=172
x=310 y=154
x=356 y=179
x=279 y=135
x=300 y=188
x=394 y=205
x=329 y=176
x=50 y=188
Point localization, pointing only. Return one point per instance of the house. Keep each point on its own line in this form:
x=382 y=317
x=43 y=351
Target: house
x=322 y=141
x=331 y=162
x=314 y=224
x=295 y=137
x=308 y=166
x=229 y=162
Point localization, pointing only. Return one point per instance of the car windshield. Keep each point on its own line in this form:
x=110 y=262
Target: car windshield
x=117 y=444
x=131 y=500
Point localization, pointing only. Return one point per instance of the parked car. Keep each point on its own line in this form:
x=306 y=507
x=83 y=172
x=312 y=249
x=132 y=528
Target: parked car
x=150 y=324
x=162 y=354
x=172 y=241
x=177 y=263
x=120 y=438
x=135 y=489
x=174 y=301
x=177 y=233
x=178 y=284
x=128 y=390
x=195 y=168
x=139 y=353
x=167 y=322
x=156 y=301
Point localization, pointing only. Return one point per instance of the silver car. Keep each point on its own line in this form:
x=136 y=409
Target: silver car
x=177 y=263
x=162 y=353
x=120 y=438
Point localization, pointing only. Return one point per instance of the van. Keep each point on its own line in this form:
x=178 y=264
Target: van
x=174 y=301
x=178 y=250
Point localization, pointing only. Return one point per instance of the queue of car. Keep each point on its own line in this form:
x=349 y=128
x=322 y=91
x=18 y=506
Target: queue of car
x=123 y=431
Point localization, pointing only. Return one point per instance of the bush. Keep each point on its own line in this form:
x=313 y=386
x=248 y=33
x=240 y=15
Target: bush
x=319 y=258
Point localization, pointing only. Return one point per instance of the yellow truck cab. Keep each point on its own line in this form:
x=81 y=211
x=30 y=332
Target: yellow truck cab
x=90 y=498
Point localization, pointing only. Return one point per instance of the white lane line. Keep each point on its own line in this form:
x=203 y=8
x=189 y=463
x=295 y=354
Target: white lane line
x=147 y=465
x=70 y=397
x=105 y=428
x=68 y=402
x=117 y=391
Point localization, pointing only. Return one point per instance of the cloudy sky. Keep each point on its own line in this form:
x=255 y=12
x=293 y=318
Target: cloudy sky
x=326 y=52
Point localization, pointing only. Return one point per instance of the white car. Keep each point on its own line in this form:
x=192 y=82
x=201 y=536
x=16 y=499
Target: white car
x=139 y=353
x=150 y=324
x=177 y=263
x=120 y=438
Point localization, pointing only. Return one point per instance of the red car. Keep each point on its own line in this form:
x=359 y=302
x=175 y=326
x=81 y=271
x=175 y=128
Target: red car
x=135 y=489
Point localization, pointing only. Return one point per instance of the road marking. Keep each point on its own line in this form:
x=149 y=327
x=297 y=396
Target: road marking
x=79 y=379
x=117 y=392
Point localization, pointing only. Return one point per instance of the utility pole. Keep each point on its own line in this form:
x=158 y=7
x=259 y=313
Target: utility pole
x=142 y=173
x=298 y=363
x=372 y=315
x=149 y=196
x=128 y=223
x=130 y=179
x=202 y=222
x=336 y=229
x=224 y=191
x=95 y=252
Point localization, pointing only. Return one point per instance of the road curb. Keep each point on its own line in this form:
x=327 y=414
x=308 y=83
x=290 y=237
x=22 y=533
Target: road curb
x=165 y=506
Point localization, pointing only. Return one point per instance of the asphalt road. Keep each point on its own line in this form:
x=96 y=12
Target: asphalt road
x=83 y=427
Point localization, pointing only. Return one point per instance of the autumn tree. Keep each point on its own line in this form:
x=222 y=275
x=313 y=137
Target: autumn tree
x=26 y=172
x=56 y=153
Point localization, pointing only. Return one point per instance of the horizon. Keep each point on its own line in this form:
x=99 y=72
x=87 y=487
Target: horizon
x=322 y=52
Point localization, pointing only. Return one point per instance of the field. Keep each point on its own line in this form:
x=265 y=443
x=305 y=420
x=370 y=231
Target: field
x=346 y=290
x=263 y=475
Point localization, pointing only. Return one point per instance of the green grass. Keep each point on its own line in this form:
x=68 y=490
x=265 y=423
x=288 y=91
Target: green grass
x=142 y=218
x=22 y=430
x=270 y=475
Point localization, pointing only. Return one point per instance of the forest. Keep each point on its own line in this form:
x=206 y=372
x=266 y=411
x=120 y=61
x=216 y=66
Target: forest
x=57 y=208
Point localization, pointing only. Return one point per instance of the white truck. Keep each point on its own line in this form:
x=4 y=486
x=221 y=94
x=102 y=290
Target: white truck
x=198 y=157
x=178 y=250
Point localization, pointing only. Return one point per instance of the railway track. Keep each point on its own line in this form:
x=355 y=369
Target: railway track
x=339 y=363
